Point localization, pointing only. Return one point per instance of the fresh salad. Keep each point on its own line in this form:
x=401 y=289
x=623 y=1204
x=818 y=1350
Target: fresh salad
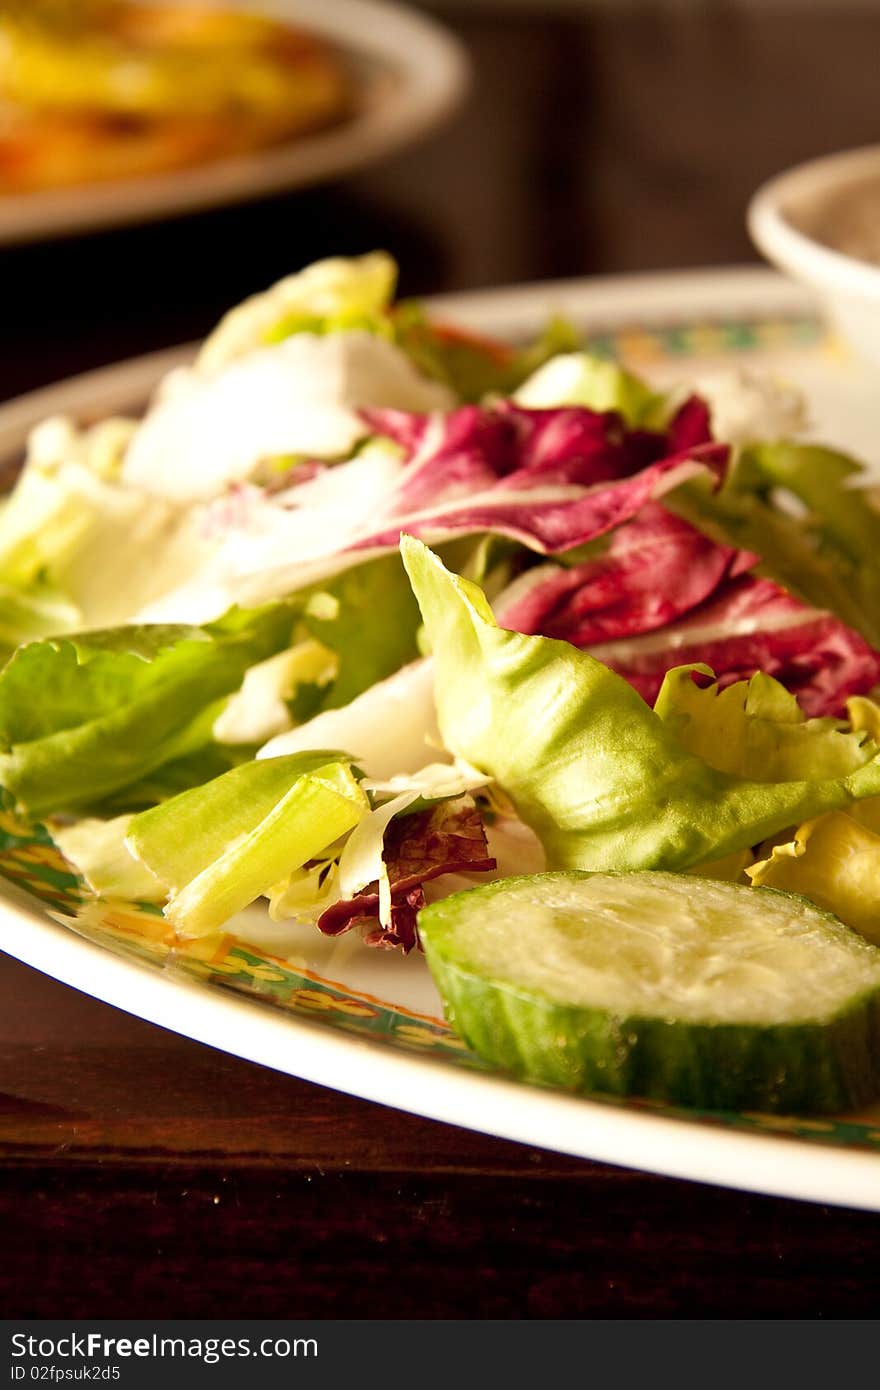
x=367 y=612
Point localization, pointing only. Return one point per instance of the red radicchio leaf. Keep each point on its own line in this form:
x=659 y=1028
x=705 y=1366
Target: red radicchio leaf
x=446 y=838
x=552 y=479
x=751 y=625
x=690 y=426
x=652 y=571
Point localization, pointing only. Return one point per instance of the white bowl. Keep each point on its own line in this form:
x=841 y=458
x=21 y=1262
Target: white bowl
x=820 y=222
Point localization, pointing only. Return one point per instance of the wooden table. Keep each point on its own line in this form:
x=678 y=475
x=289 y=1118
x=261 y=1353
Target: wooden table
x=142 y=1174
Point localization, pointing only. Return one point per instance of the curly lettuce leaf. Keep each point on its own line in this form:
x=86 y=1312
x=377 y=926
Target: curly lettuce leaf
x=218 y=847
x=835 y=861
x=85 y=716
x=766 y=736
x=599 y=777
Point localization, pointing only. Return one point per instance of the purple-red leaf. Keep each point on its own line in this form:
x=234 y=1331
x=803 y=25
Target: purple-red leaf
x=552 y=479
x=446 y=838
x=751 y=625
x=653 y=570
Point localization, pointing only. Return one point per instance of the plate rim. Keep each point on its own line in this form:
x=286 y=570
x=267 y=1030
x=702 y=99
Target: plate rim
x=369 y=1069
x=617 y=1133
x=745 y=290
x=435 y=72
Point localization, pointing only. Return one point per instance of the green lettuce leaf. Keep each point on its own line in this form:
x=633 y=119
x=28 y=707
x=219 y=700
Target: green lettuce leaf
x=218 y=847
x=806 y=511
x=369 y=617
x=85 y=716
x=579 y=378
x=602 y=780
x=206 y=759
x=471 y=366
x=353 y=631
x=31 y=613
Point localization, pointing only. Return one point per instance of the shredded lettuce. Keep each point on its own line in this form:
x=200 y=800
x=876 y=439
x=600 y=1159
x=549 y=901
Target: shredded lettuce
x=218 y=847
x=417 y=846
x=599 y=777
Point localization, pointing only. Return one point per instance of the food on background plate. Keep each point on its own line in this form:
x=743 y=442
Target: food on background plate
x=366 y=611
x=95 y=90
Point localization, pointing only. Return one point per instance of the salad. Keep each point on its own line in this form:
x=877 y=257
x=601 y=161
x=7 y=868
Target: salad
x=366 y=612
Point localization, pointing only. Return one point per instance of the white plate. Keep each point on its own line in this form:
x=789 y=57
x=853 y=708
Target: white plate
x=368 y=1022
x=412 y=74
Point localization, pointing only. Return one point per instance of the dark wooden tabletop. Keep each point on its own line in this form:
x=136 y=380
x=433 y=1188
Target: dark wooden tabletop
x=145 y=1175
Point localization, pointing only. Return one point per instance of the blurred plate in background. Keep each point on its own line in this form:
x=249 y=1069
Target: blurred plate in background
x=409 y=72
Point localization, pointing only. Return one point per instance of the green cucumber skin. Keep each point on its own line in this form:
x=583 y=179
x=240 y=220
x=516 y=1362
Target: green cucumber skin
x=796 y=1068
x=802 y=1068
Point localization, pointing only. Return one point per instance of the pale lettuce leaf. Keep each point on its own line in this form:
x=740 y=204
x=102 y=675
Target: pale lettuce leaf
x=105 y=548
x=31 y=613
x=389 y=729
x=599 y=777
x=97 y=850
x=330 y=295
x=299 y=398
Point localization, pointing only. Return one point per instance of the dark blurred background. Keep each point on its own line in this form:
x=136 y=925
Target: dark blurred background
x=599 y=136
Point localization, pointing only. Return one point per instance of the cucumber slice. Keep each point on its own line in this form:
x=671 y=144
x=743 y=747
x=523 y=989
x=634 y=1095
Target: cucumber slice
x=661 y=985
